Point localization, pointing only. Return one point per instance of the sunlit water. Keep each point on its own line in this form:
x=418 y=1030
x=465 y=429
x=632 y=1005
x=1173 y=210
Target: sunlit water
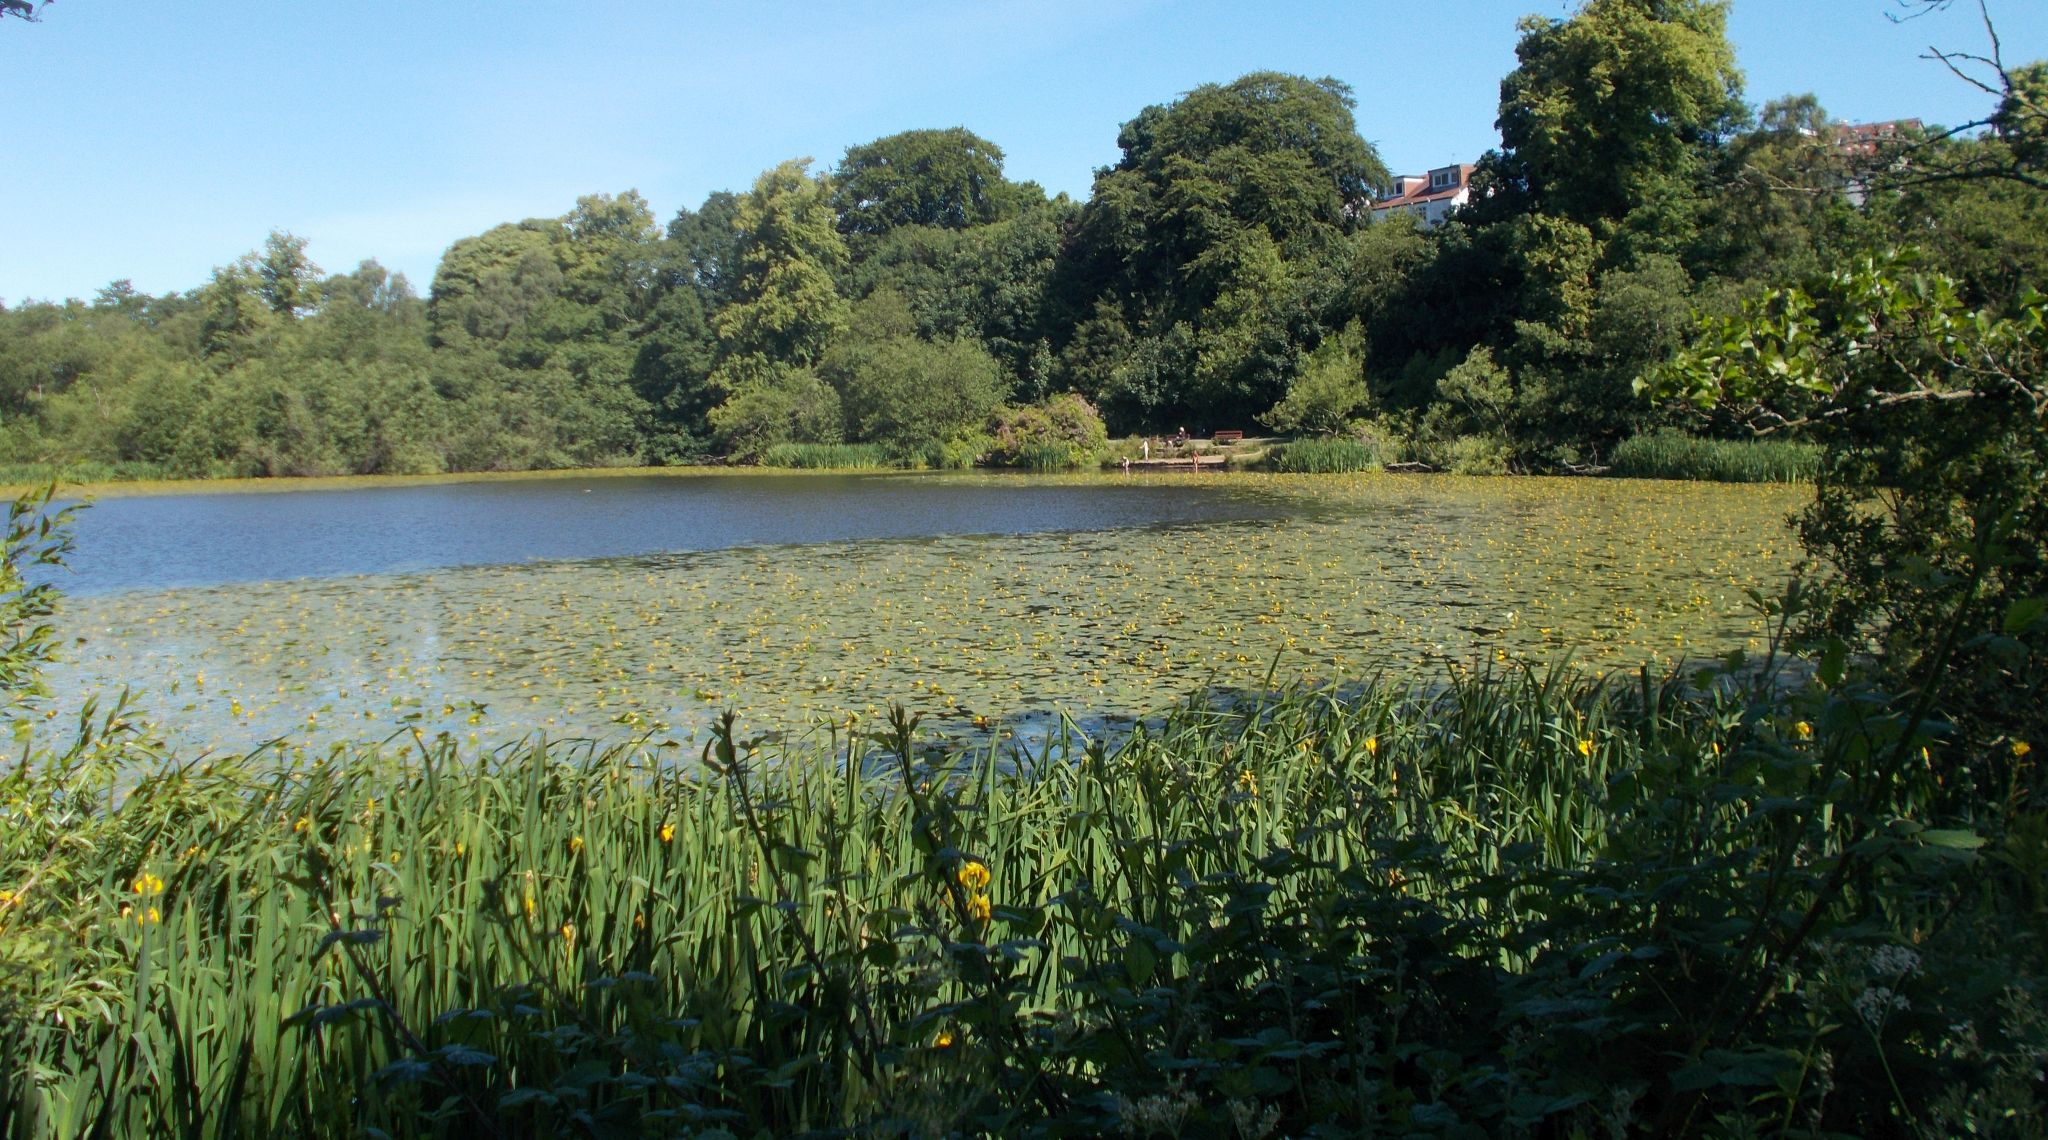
x=604 y=606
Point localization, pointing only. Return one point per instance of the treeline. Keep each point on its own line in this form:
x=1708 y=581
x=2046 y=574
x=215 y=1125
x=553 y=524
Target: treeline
x=1226 y=272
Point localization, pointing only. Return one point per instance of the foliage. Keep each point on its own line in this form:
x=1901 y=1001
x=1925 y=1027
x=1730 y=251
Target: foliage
x=1216 y=239
x=1932 y=495
x=1063 y=432
x=1330 y=390
x=1326 y=456
x=826 y=456
x=1613 y=114
x=949 y=178
x=1507 y=901
x=1670 y=454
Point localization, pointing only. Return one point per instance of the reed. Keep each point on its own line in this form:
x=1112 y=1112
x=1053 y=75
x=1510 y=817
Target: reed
x=827 y=456
x=784 y=937
x=1675 y=455
x=1326 y=456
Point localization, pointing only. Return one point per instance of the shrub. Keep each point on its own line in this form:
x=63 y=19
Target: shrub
x=1063 y=432
x=1477 y=455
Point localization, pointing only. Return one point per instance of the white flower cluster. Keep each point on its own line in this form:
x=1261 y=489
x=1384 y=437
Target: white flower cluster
x=1893 y=962
x=1876 y=1003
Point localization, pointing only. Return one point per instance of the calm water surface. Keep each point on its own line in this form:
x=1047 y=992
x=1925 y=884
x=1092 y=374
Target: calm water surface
x=210 y=538
x=603 y=606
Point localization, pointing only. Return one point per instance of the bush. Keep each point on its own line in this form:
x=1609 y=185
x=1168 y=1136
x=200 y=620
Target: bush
x=1670 y=454
x=1063 y=432
x=1477 y=455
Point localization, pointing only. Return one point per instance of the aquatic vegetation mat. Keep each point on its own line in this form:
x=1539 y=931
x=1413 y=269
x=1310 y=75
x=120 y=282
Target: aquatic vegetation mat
x=982 y=634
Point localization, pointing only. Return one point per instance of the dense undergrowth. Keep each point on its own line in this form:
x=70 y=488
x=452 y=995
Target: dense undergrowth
x=1510 y=904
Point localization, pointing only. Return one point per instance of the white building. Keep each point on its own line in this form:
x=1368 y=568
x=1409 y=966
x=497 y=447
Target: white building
x=1430 y=197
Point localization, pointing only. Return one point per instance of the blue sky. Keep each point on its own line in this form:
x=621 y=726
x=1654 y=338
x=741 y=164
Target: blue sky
x=155 y=139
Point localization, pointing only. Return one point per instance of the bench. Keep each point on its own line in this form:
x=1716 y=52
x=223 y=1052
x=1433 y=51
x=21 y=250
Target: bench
x=1228 y=437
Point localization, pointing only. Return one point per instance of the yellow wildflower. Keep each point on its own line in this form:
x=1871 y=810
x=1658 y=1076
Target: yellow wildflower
x=668 y=832
x=2020 y=748
x=945 y=1039
x=575 y=845
x=304 y=824
x=1247 y=782
x=979 y=908
x=148 y=884
x=530 y=907
x=7 y=898
x=1585 y=746
x=639 y=921
x=154 y=915
x=568 y=933
x=461 y=849
x=1372 y=745
x=1804 y=730
x=973 y=875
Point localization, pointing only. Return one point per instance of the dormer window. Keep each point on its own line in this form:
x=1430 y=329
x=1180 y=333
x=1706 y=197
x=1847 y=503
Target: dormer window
x=1442 y=179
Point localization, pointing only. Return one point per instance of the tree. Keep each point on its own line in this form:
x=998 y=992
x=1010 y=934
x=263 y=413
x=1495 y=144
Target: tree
x=784 y=313
x=952 y=179
x=786 y=306
x=1616 y=111
x=288 y=281
x=1227 y=219
x=1329 y=391
x=1932 y=503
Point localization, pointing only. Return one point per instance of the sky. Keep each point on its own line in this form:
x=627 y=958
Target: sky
x=156 y=139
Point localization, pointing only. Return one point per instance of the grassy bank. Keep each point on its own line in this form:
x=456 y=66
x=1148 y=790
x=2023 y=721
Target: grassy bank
x=1512 y=903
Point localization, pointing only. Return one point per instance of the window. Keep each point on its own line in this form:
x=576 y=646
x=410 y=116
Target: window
x=1448 y=176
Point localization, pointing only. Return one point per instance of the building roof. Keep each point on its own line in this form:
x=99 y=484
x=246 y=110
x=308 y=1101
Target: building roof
x=1418 y=192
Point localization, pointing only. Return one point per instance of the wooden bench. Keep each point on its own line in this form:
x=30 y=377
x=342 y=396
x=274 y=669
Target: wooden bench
x=1227 y=437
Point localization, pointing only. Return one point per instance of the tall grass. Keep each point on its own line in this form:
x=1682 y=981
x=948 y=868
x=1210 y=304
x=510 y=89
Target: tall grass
x=1675 y=455
x=827 y=456
x=93 y=471
x=1251 y=904
x=1326 y=456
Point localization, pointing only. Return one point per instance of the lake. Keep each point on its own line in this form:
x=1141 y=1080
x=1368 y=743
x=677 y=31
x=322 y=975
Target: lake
x=598 y=604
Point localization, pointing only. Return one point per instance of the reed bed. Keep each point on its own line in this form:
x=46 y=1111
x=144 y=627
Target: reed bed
x=1326 y=457
x=1676 y=455
x=1231 y=922
x=827 y=456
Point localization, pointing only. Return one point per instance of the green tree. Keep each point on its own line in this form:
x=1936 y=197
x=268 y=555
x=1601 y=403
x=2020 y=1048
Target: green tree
x=287 y=279
x=951 y=179
x=1618 y=111
x=1219 y=238
x=1329 y=392
x=784 y=313
x=1932 y=503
